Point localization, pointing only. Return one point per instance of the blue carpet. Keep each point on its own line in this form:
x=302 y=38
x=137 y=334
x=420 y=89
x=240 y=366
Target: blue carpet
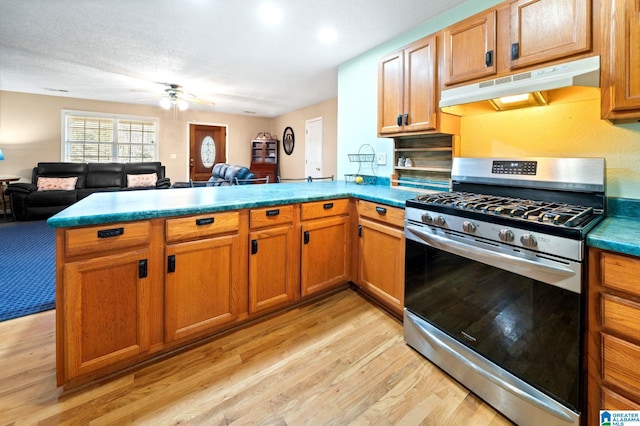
x=27 y=269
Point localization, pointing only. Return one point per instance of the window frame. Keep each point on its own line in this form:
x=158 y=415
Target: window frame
x=65 y=154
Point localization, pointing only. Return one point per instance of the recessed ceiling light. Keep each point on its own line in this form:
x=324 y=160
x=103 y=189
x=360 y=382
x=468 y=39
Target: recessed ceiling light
x=270 y=14
x=327 y=35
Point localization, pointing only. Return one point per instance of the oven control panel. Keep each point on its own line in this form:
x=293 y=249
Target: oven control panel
x=514 y=167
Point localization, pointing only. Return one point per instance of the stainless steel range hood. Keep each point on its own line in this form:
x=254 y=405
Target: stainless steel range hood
x=582 y=72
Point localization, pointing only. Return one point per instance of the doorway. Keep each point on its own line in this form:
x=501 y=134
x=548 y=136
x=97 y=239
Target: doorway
x=313 y=147
x=207 y=146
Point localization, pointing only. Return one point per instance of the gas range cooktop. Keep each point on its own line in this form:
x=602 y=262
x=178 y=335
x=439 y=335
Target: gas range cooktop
x=554 y=214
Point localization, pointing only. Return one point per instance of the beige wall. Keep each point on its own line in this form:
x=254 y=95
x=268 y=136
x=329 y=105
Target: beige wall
x=30 y=131
x=292 y=166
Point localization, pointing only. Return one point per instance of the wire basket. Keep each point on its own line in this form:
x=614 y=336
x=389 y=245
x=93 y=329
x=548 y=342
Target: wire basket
x=366 y=179
x=361 y=158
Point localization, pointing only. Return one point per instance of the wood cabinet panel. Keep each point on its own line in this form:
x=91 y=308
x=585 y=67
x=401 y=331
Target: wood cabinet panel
x=620 y=273
x=420 y=80
x=105 y=312
x=270 y=216
x=620 y=360
x=381 y=263
x=614 y=401
x=320 y=209
x=201 y=293
x=382 y=213
x=201 y=226
x=621 y=316
x=324 y=254
x=621 y=60
x=273 y=266
x=105 y=238
x=390 y=92
x=544 y=30
x=470 y=49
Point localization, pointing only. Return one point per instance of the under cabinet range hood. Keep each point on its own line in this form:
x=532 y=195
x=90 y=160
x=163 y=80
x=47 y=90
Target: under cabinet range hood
x=582 y=72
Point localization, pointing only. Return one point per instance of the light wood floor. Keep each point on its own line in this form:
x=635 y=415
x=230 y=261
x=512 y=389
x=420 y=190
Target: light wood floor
x=338 y=361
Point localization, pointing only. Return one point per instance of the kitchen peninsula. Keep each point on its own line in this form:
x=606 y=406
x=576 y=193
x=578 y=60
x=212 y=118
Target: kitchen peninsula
x=142 y=274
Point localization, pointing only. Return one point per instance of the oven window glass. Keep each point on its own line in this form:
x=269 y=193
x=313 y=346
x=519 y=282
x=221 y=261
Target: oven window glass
x=527 y=327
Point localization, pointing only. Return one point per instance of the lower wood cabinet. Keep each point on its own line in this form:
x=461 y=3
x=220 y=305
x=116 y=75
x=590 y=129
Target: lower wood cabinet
x=274 y=258
x=381 y=254
x=613 y=339
x=325 y=258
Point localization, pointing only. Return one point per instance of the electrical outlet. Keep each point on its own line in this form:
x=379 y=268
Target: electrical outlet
x=381 y=159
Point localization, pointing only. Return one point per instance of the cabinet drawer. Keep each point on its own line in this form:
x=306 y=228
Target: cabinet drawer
x=327 y=208
x=620 y=360
x=203 y=225
x=621 y=272
x=260 y=218
x=380 y=212
x=621 y=315
x=96 y=239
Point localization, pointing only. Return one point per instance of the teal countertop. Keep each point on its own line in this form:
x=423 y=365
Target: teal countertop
x=620 y=230
x=109 y=207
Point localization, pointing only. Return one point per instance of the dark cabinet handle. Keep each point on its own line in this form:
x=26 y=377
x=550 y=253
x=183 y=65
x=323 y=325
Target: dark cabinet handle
x=381 y=210
x=327 y=206
x=108 y=233
x=406 y=119
x=171 y=263
x=399 y=120
x=274 y=212
x=488 y=58
x=515 y=51
x=205 y=221
x=359 y=230
x=254 y=246
x=142 y=268
x=306 y=237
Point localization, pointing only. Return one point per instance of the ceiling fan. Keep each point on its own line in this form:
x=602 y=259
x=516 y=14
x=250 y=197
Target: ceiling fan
x=176 y=98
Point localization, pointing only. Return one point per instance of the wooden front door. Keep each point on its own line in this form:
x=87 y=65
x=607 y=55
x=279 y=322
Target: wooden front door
x=208 y=146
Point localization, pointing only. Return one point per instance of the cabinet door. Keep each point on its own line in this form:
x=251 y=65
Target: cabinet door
x=272 y=268
x=201 y=286
x=390 y=93
x=106 y=305
x=470 y=49
x=381 y=263
x=324 y=255
x=543 y=30
x=420 y=85
x=621 y=60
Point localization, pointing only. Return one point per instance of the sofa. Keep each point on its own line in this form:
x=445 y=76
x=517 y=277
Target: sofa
x=55 y=186
x=222 y=174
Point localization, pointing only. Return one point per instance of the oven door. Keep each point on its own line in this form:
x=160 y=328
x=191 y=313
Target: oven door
x=509 y=306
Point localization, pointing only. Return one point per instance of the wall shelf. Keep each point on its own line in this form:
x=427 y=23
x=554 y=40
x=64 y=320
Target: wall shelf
x=431 y=160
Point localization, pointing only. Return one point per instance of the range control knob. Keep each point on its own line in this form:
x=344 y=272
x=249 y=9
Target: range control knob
x=440 y=221
x=426 y=218
x=506 y=236
x=469 y=227
x=528 y=241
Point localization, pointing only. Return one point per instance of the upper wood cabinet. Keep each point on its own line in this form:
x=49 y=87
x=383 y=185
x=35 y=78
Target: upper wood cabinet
x=515 y=35
x=470 y=49
x=407 y=89
x=621 y=60
x=543 y=30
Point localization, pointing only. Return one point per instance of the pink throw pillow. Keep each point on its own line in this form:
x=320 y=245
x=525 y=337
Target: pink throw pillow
x=142 y=181
x=57 y=184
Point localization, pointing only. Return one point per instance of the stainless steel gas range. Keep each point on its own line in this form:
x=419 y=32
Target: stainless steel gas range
x=494 y=277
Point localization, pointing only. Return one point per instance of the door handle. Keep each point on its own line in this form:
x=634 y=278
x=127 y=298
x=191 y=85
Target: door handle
x=381 y=210
x=192 y=163
x=171 y=263
x=406 y=119
x=399 y=120
x=142 y=268
x=254 y=246
x=274 y=212
x=306 y=237
x=488 y=58
x=205 y=221
x=515 y=51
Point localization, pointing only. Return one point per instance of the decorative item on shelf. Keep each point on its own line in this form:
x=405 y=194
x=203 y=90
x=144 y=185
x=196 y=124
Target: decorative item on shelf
x=365 y=158
x=408 y=162
x=1 y=155
x=400 y=161
x=288 y=140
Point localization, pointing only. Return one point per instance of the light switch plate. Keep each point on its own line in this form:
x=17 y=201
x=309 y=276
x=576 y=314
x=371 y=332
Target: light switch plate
x=381 y=158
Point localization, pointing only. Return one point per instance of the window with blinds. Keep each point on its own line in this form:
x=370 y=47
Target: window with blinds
x=104 y=138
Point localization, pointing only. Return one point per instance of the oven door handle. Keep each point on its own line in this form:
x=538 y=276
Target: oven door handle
x=486 y=256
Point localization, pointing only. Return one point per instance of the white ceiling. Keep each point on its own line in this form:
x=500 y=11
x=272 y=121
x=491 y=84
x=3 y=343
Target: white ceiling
x=218 y=50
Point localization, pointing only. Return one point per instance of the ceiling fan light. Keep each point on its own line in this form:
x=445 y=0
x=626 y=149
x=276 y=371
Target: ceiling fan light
x=182 y=104
x=165 y=103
